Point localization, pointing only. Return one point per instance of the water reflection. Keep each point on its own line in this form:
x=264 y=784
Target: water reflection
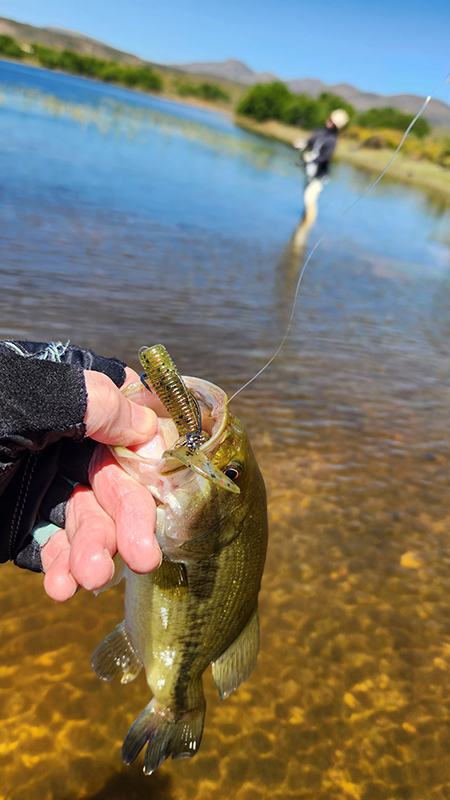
x=115 y=241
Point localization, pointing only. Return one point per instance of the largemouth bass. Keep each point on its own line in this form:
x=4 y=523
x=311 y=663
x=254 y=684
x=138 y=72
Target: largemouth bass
x=200 y=606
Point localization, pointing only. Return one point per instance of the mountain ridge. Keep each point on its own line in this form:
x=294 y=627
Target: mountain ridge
x=231 y=70
x=437 y=112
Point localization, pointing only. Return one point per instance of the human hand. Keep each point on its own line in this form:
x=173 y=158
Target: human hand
x=115 y=513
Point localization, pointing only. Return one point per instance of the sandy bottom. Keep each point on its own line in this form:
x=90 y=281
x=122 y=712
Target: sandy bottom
x=350 y=697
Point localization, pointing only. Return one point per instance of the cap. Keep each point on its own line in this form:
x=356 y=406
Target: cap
x=339 y=117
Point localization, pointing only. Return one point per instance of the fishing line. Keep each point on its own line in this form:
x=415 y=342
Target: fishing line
x=324 y=235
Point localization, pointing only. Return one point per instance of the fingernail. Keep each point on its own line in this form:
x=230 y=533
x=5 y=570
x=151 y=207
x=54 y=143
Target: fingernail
x=100 y=572
x=160 y=556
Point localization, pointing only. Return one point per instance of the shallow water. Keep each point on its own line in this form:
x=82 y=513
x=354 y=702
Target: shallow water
x=126 y=220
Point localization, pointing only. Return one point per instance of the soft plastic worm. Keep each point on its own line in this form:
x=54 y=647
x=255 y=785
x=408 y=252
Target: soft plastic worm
x=168 y=384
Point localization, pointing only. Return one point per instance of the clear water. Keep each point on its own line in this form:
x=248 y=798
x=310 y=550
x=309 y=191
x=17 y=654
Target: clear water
x=129 y=220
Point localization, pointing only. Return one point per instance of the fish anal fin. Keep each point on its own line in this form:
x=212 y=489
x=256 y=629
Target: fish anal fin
x=116 y=655
x=167 y=734
x=236 y=663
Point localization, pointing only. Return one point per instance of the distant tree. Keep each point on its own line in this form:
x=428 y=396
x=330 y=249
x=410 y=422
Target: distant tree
x=46 y=56
x=265 y=101
x=330 y=102
x=389 y=117
x=275 y=101
x=147 y=78
x=9 y=47
x=298 y=110
x=205 y=91
x=91 y=67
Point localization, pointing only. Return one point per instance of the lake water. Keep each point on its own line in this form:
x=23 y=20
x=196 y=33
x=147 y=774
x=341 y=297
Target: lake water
x=128 y=220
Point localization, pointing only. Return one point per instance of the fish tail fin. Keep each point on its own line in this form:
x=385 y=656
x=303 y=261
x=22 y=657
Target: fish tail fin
x=116 y=655
x=167 y=734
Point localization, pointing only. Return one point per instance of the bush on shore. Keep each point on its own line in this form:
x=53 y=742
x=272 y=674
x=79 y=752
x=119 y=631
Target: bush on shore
x=110 y=71
x=430 y=148
x=275 y=101
x=389 y=117
x=204 y=91
x=9 y=47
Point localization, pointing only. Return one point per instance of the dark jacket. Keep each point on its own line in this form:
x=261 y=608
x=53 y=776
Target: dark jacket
x=43 y=448
x=323 y=142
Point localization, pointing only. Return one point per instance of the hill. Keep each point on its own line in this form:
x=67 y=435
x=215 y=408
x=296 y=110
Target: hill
x=233 y=72
x=229 y=70
x=437 y=113
x=70 y=40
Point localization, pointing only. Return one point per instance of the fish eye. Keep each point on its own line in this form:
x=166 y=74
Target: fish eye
x=233 y=471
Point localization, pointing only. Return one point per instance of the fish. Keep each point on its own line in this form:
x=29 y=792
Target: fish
x=200 y=607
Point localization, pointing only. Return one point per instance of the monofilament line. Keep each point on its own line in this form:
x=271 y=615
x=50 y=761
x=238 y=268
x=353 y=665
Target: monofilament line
x=324 y=235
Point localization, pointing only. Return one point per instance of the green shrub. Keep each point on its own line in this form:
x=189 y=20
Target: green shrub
x=389 y=117
x=47 y=58
x=444 y=152
x=9 y=47
x=265 y=101
x=210 y=91
x=91 y=67
x=205 y=91
x=147 y=78
x=275 y=101
x=299 y=107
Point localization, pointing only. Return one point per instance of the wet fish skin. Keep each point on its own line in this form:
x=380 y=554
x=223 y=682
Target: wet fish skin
x=200 y=606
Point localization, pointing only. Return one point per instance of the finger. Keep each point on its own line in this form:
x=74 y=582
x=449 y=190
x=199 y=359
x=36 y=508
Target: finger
x=111 y=417
x=59 y=583
x=130 y=377
x=91 y=533
x=132 y=508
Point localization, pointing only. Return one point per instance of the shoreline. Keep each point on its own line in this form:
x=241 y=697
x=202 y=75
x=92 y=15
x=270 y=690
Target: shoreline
x=420 y=174
x=174 y=98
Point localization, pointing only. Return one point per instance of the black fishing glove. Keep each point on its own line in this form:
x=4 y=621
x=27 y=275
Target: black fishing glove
x=43 y=449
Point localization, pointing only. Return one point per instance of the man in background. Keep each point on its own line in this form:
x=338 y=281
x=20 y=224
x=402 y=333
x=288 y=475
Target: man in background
x=317 y=152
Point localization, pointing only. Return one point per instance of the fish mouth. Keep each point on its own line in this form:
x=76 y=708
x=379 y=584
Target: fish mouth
x=157 y=462
x=213 y=406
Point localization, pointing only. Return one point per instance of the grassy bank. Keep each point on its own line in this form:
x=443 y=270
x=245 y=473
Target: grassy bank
x=144 y=77
x=423 y=161
x=420 y=173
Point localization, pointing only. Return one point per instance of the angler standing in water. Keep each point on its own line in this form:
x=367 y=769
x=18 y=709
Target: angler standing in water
x=317 y=152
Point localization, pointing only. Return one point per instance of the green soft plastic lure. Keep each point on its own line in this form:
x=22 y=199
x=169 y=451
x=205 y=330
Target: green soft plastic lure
x=163 y=378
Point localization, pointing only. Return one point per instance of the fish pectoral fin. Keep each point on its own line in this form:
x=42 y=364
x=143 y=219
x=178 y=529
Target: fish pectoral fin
x=120 y=570
x=235 y=665
x=116 y=655
x=167 y=735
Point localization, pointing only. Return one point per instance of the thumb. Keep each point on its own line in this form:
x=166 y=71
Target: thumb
x=111 y=417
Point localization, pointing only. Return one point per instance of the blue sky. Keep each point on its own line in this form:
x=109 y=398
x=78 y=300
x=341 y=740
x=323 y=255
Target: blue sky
x=388 y=46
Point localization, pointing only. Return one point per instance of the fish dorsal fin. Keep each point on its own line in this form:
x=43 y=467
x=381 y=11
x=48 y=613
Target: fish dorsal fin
x=197 y=461
x=235 y=665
